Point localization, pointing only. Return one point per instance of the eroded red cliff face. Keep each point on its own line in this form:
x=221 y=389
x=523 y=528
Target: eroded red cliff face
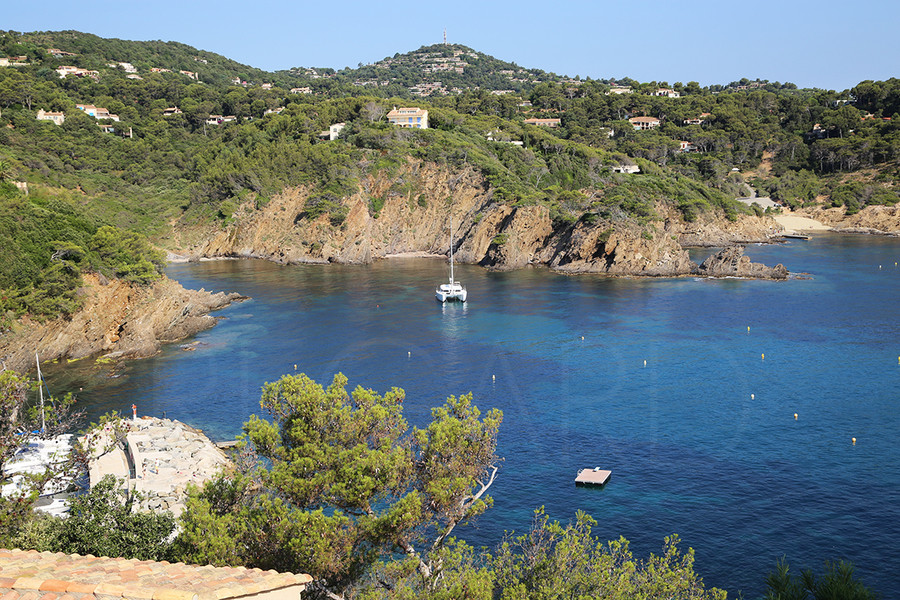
x=116 y=319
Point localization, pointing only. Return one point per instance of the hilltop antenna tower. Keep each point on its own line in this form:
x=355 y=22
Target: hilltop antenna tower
x=445 y=36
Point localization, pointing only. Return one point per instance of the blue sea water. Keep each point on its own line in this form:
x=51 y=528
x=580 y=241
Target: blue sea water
x=702 y=439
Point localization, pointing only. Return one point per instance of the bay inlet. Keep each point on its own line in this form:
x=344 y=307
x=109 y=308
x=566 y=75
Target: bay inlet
x=701 y=438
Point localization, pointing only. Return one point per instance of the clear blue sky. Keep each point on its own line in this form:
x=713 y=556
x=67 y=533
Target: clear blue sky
x=826 y=44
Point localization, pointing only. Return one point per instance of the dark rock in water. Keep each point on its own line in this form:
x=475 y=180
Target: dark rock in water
x=731 y=262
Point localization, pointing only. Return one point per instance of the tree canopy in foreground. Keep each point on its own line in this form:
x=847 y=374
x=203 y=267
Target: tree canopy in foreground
x=344 y=484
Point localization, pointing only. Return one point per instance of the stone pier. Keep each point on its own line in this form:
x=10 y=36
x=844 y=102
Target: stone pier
x=157 y=458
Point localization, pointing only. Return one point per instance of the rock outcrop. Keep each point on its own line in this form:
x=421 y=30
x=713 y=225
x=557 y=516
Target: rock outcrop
x=731 y=262
x=117 y=318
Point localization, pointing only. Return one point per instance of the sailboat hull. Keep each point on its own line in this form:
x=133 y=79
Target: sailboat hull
x=449 y=292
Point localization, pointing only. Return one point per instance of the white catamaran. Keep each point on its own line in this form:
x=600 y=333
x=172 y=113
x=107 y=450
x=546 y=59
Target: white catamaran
x=453 y=290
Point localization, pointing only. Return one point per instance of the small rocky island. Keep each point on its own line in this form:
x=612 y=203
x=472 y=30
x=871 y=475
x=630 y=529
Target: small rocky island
x=731 y=262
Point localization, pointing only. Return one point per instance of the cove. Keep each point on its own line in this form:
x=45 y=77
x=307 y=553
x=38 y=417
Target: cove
x=701 y=441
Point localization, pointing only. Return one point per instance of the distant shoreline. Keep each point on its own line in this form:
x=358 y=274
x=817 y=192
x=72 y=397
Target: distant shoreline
x=420 y=254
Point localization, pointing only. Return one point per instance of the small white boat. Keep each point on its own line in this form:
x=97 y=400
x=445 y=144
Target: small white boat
x=33 y=459
x=453 y=290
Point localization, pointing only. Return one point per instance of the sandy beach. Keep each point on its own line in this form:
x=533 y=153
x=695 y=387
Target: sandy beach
x=795 y=223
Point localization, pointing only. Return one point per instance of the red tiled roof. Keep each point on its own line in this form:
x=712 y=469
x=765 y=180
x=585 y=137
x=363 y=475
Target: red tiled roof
x=31 y=575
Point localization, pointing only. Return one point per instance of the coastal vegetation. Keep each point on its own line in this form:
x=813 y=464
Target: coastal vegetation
x=56 y=241
x=335 y=483
x=338 y=486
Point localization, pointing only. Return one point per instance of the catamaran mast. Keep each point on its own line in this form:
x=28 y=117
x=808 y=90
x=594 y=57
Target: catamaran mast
x=451 y=250
x=40 y=391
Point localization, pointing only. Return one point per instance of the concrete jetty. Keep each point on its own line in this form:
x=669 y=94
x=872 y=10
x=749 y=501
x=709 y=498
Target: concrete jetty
x=158 y=458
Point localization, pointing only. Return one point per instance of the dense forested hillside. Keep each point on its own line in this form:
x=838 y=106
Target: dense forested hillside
x=199 y=135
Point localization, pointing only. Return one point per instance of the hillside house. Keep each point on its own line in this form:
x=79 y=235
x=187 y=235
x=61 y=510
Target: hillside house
x=415 y=118
x=619 y=89
x=57 y=117
x=667 y=93
x=106 y=128
x=97 y=112
x=219 y=119
x=57 y=53
x=642 y=123
x=626 y=168
x=544 y=122
x=685 y=146
x=13 y=61
x=335 y=130
x=694 y=121
x=168 y=112
x=301 y=90
x=159 y=70
x=65 y=70
x=190 y=74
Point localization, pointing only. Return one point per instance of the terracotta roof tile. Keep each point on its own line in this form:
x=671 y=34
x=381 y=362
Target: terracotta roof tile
x=75 y=587
x=54 y=585
x=28 y=583
x=29 y=575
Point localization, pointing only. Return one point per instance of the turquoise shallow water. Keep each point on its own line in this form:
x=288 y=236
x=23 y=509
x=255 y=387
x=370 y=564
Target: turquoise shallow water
x=692 y=452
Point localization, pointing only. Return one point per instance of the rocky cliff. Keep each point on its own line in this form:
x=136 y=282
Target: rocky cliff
x=485 y=232
x=116 y=318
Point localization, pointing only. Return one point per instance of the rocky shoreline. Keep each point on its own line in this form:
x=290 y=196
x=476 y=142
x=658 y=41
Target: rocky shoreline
x=123 y=321
x=485 y=232
x=117 y=320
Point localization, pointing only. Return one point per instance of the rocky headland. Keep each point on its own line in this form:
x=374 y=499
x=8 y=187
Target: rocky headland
x=117 y=319
x=485 y=232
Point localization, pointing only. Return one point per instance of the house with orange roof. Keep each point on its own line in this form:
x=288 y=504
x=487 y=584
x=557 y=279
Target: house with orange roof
x=642 y=123
x=415 y=118
x=544 y=122
x=57 y=117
